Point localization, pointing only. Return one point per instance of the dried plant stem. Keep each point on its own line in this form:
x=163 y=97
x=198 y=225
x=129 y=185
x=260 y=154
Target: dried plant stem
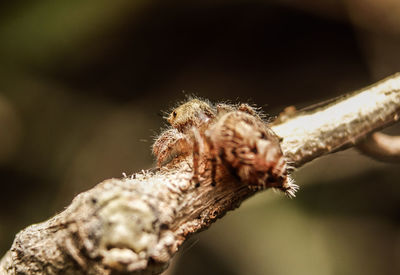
x=137 y=224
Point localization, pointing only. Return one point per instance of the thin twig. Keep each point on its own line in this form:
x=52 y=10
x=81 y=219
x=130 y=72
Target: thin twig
x=340 y=124
x=136 y=224
x=381 y=147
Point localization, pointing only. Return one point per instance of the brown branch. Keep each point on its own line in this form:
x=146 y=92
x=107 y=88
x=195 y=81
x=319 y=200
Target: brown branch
x=136 y=224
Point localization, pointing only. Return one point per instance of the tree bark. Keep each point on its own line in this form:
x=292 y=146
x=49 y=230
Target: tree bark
x=136 y=224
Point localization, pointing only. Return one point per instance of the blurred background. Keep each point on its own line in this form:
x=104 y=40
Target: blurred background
x=82 y=84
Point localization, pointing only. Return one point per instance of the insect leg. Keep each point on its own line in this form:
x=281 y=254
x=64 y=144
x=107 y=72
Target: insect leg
x=213 y=160
x=198 y=149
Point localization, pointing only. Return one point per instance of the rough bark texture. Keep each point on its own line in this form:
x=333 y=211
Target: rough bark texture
x=136 y=224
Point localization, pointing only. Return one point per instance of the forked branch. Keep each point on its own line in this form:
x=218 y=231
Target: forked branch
x=136 y=224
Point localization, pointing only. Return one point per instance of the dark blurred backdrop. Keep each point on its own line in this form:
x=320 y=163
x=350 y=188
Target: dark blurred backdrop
x=83 y=84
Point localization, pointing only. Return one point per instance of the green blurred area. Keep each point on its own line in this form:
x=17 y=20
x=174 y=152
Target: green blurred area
x=83 y=84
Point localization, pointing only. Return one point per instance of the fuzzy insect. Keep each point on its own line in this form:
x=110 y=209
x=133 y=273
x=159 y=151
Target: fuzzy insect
x=231 y=136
